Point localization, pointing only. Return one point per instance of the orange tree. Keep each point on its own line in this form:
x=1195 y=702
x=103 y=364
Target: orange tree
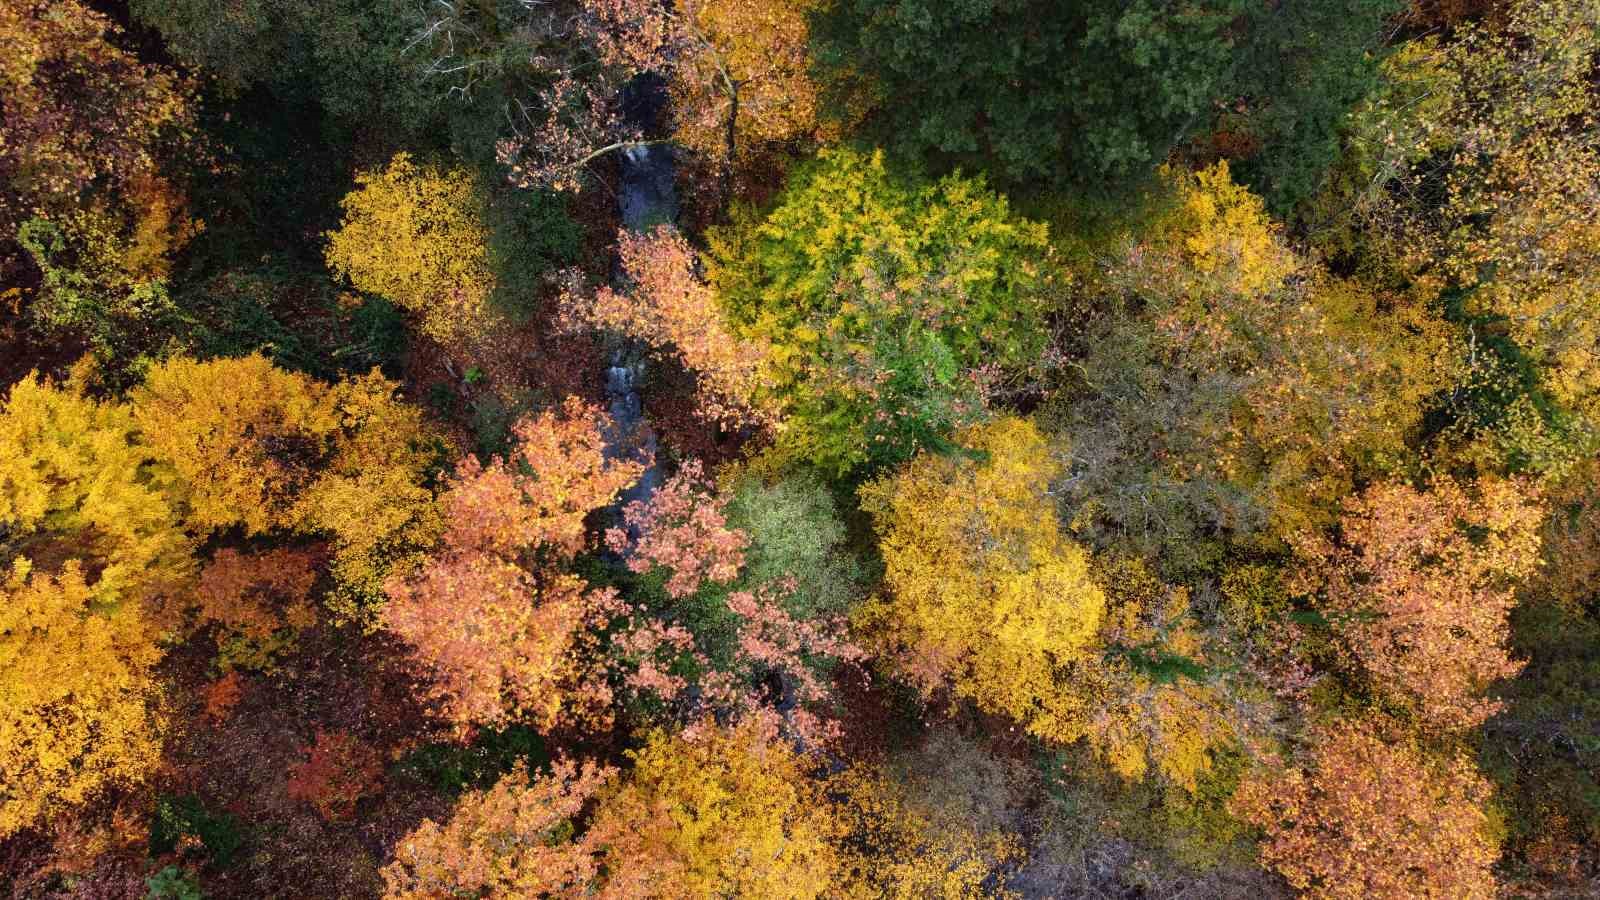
x=1364 y=817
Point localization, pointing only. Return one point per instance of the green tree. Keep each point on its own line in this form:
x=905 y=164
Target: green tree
x=1078 y=93
x=880 y=297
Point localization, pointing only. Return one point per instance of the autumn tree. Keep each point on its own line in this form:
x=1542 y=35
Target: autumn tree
x=94 y=557
x=1419 y=587
x=672 y=310
x=1234 y=389
x=1157 y=703
x=263 y=448
x=1367 y=817
x=737 y=73
x=415 y=233
x=76 y=482
x=372 y=494
x=514 y=839
x=984 y=591
x=490 y=615
x=87 y=127
x=718 y=641
x=82 y=707
x=256 y=603
x=1476 y=178
x=246 y=437
x=681 y=529
x=731 y=812
x=737 y=69
x=879 y=297
x=338 y=770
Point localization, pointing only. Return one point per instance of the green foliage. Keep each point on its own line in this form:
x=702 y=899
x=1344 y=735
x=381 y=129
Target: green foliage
x=880 y=295
x=795 y=532
x=348 y=55
x=118 y=317
x=453 y=767
x=1544 y=747
x=298 y=321
x=175 y=883
x=1101 y=91
x=1197 y=828
x=530 y=234
x=1252 y=597
x=181 y=820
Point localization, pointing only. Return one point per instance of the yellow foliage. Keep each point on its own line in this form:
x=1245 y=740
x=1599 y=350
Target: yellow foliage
x=1153 y=707
x=245 y=435
x=370 y=495
x=75 y=483
x=78 y=703
x=895 y=848
x=1225 y=234
x=730 y=813
x=984 y=591
x=415 y=234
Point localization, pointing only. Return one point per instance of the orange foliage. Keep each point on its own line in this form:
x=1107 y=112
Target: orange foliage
x=496 y=627
x=254 y=598
x=499 y=644
x=557 y=474
x=1371 y=820
x=1420 y=586
x=671 y=309
x=222 y=695
x=682 y=529
x=513 y=840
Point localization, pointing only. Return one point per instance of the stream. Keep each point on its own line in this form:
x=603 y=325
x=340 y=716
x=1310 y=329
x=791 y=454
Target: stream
x=647 y=197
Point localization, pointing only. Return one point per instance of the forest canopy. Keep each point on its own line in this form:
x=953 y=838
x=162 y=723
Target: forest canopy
x=799 y=449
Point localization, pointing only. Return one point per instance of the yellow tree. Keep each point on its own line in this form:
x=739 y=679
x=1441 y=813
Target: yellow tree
x=730 y=813
x=88 y=524
x=79 y=703
x=263 y=448
x=246 y=437
x=984 y=592
x=77 y=483
x=371 y=494
x=415 y=234
x=1154 y=704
